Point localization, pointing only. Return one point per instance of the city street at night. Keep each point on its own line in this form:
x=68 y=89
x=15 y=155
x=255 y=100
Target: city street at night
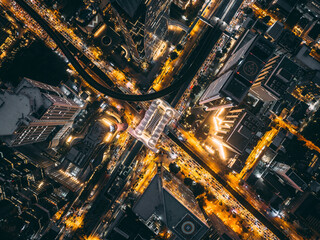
x=159 y=119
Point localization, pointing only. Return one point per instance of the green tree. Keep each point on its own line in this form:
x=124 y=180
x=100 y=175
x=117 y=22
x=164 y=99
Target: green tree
x=187 y=181
x=201 y=201
x=211 y=197
x=173 y=55
x=179 y=47
x=196 y=89
x=219 y=54
x=191 y=118
x=197 y=189
x=174 y=168
x=266 y=19
x=247 y=10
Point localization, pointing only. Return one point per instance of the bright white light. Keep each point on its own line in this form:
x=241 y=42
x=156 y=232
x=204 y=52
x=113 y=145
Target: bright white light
x=258 y=175
x=220 y=111
x=69 y=139
x=40 y=184
x=215 y=122
x=108 y=137
x=107 y=122
x=209 y=149
x=173 y=155
x=220 y=146
x=129 y=85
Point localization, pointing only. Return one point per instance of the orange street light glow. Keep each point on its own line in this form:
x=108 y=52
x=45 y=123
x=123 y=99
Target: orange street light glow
x=69 y=139
x=107 y=122
x=108 y=137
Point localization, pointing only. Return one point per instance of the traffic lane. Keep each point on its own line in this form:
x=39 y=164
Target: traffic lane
x=239 y=198
x=221 y=9
x=195 y=61
x=110 y=201
x=133 y=153
x=111 y=93
x=82 y=57
x=227 y=17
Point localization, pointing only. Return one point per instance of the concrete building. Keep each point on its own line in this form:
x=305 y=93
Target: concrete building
x=130 y=16
x=238 y=129
x=143 y=24
x=275 y=30
x=156 y=26
x=152 y=125
x=287 y=174
x=27 y=198
x=274 y=79
x=127 y=226
x=303 y=57
x=238 y=73
x=90 y=21
x=283 y=7
x=306 y=208
x=182 y=3
x=273 y=190
x=81 y=160
x=168 y=200
x=227 y=91
x=309 y=85
x=31 y=112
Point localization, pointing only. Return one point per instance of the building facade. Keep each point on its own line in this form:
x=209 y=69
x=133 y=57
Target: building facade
x=274 y=79
x=238 y=73
x=31 y=112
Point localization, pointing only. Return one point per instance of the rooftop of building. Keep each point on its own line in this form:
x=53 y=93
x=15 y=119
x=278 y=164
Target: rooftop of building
x=174 y=204
x=13 y=108
x=127 y=226
x=243 y=131
x=309 y=210
x=130 y=7
x=28 y=102
x=303 y=56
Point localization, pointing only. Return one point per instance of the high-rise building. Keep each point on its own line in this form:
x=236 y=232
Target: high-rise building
x=238 y=74
x=287 y=174
x=306 y=208
x=90 y=20
x=168 y=200
x=274 y=79
x=309 y=86
x=77 y=163
x=275 y=30
x=144 y=25
x=156 y=26
x=130 y=16
x=182 y=3
x=31 y=112
x=237 y=129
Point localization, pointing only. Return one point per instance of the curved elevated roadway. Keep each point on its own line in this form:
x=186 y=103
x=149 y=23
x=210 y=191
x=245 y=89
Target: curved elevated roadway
x=56 y=36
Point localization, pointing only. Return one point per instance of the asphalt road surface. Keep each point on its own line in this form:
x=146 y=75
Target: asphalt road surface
x=233 y=192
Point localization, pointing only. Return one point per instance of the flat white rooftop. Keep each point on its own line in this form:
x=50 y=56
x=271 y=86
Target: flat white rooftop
x=13 y=107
